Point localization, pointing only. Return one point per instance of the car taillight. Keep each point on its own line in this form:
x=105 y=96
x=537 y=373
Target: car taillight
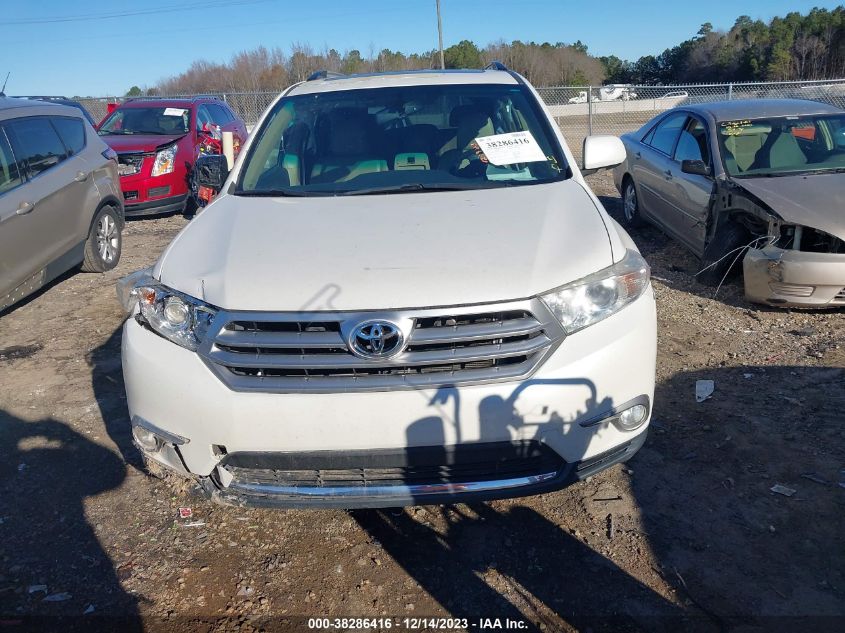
x=110 y=154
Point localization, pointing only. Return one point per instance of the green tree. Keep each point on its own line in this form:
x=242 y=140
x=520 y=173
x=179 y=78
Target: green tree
x=464 y=54
x=134 y=91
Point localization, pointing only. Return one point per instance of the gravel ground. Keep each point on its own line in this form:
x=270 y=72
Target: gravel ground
x=686 y=536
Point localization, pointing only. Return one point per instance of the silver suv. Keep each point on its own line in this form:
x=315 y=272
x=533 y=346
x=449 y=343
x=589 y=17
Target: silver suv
x=60 y=201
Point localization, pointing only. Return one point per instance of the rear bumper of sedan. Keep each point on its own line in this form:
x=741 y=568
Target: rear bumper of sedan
x=791 y=278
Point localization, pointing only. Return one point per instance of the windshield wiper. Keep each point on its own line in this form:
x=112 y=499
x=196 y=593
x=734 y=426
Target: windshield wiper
x=418 y=186
x=805 y=172
x=274 y=193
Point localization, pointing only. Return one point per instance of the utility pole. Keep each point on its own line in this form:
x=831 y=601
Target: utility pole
x=440 y=36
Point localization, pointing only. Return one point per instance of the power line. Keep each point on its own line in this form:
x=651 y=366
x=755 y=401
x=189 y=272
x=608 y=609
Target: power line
x=88 y=17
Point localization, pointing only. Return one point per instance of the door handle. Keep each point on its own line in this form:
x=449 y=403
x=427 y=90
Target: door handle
x=24 y=208
x=638 y=155
x=81 y=176
x=668 y=174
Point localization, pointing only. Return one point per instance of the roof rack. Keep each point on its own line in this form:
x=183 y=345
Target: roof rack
x=160 y=98
x=496 y=65
x=324 y=74
x=42 y=97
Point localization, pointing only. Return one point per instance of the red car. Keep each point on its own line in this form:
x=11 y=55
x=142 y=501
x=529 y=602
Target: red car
x=157 y=143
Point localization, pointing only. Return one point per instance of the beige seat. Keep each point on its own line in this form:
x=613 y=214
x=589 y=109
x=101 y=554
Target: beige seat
x=780 y=151
x=744 y=148
x=348 y=151
x=471 y=124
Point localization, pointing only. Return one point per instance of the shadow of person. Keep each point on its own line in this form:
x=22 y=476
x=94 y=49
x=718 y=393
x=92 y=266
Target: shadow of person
x=514 y=563
x=110 y=394
x=51 y=558
x=511 y=561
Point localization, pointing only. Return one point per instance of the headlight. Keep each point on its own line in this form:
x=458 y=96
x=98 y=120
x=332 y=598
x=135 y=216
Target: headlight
x=172 y=314
x=165 y=160
x=597 y=296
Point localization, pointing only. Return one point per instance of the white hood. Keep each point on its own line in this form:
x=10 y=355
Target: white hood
x=378 y=252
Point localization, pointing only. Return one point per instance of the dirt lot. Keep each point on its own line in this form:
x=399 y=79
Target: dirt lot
x=687 y=536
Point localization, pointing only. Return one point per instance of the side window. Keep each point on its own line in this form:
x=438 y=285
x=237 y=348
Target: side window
x=667 y=132
x=203 y=118
x=698 y=132
x=72 y=133
x=10 y=175
x=38 y=144
x=219 y=114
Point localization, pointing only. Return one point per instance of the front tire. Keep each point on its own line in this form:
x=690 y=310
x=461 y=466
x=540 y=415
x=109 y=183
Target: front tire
x=726 y=249
x=104 y=243
x=631 y=217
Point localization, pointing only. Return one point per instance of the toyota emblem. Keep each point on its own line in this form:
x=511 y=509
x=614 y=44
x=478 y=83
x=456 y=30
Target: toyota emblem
x=376 y=339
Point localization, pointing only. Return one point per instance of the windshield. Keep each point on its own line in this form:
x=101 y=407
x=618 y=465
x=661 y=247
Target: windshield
x=148 y=120
x=783 y=146
x=402 y=139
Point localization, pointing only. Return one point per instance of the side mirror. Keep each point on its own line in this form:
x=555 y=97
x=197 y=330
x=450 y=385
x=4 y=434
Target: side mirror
x=211 y=171
x=602 y=152
x=697 y=167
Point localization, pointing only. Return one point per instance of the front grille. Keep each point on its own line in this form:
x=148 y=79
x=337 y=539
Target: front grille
x=310 y=352
x=129 y=164
x=840 y=296
x=414 y=466
x=155 y=192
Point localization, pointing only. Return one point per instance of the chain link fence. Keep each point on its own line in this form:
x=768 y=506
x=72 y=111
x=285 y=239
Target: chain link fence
x=617 y=109
x=582 y=110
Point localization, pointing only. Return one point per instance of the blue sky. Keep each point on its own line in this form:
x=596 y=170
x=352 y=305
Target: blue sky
x=63 y=54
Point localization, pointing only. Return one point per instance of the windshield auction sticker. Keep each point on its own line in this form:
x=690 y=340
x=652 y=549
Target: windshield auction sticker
x=174 y=111
x=734 y=128
x=510 y=148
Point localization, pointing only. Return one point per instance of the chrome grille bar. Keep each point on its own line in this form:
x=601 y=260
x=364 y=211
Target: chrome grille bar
x=295 y=352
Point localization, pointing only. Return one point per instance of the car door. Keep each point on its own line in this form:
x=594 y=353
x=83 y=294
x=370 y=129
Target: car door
x=689 y=194
x=57 y=188
x=14 y=260
x=652 y=166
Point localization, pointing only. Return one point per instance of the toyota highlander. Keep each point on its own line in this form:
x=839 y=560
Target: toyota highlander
x=405 y=293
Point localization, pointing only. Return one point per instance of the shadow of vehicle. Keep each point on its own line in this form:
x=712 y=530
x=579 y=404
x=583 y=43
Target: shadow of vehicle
x=54 y=570
x=507 y=560
x=742 y=553
x=110 y=394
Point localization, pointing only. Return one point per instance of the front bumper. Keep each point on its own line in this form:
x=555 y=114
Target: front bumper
x=333 y=495
x=792 y=278
x=565 y=406
x=154 y=207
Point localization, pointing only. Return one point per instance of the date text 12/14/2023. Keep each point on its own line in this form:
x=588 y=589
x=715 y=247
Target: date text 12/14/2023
x=417 y=624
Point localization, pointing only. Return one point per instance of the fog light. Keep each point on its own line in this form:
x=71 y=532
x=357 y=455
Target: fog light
x=147 y=440
x=631 y=418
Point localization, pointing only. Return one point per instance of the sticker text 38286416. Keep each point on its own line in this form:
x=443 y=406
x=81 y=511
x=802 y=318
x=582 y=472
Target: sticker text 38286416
x=511 y=148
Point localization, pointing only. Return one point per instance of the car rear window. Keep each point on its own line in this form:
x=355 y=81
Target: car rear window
x=37 y=143
x=72 y=132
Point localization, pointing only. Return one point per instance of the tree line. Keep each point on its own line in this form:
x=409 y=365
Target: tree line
x=796 y=46
x=793 y=47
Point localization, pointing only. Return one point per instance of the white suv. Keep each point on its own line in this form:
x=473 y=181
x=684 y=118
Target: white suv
x=404 y=294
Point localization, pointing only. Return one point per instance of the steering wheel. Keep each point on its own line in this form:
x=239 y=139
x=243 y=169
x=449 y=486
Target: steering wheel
x=474 y=169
